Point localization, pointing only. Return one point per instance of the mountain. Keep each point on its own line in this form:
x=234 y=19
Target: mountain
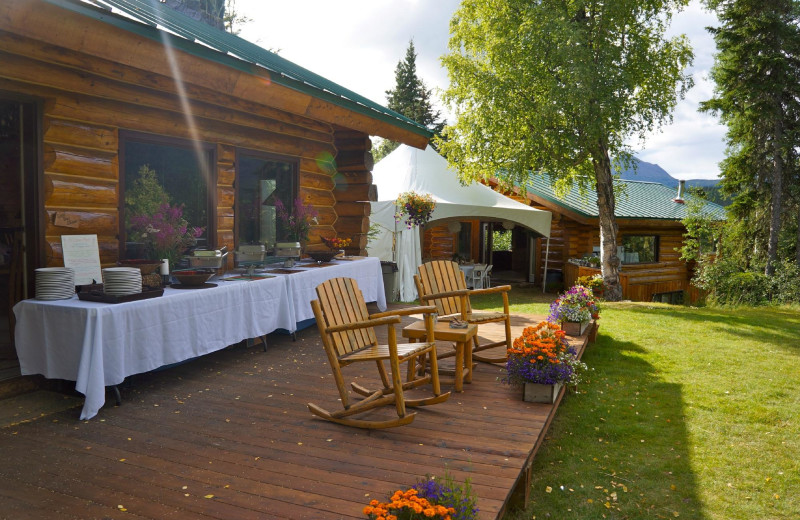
x=649 y=172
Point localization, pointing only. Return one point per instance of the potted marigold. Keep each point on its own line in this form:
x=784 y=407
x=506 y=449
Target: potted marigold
x=431 y=498
x=407 y=505
x=574 y=310
x=542 y=361
x=414 y=208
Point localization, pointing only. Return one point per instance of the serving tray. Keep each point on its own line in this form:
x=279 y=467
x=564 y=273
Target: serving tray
x=94 y=293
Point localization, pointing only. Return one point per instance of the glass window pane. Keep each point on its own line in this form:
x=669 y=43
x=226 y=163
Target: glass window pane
x=639 y=249
x=261 y=183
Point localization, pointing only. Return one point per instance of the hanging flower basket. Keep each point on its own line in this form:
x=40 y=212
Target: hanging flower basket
x=414 y=208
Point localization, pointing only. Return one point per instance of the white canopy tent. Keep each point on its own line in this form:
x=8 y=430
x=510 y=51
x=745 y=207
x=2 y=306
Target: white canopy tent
x=410 y=169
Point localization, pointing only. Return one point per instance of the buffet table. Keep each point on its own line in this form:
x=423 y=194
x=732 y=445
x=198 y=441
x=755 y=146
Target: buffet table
x=366 y=272
x=98 y=344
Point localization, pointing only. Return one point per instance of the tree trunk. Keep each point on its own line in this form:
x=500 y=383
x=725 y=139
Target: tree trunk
x=776 y=206
x=797 y=248
x=608 y=224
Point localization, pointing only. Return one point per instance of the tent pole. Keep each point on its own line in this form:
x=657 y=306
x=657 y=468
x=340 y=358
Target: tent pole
x=546 y=258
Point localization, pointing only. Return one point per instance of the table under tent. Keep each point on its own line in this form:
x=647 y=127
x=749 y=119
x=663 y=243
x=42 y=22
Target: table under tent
x=425 y=171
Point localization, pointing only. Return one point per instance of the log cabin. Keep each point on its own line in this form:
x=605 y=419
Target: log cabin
x=650 y=220
x=89 y=96
x=649 y=217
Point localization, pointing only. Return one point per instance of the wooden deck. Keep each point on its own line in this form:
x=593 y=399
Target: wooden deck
x=228 y=436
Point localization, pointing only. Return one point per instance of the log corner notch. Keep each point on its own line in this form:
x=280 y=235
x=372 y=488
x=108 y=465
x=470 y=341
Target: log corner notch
x=353 y=186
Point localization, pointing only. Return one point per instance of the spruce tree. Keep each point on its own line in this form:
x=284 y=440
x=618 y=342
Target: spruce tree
x=757 y=96
x=410 y=98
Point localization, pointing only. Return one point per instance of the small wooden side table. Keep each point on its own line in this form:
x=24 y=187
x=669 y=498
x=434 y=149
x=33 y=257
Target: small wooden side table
x=461 y=337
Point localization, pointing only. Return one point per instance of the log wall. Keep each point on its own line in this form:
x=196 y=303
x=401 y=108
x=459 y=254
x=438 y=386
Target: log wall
x=641 y=281
x=86 y=101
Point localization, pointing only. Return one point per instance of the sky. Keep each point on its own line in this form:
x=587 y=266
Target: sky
x=358 y=43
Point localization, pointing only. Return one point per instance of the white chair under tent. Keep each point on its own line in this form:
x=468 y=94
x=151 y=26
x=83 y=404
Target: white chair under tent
x=487 y=277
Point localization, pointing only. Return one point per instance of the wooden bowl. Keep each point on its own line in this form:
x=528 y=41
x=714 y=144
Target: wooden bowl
x=192 y=276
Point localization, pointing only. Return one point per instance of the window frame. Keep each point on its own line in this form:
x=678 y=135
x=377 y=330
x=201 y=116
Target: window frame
x=656 y=247
x=266 y=156
x=209 y=148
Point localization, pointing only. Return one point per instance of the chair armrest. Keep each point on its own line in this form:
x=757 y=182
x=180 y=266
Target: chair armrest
x=388 y=320
x=405 y=312
x=448 y=294
x=490 y=290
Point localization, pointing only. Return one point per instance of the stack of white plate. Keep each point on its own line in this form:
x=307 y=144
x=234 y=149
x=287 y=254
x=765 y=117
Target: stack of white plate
x=121 y=281
x=55 y=283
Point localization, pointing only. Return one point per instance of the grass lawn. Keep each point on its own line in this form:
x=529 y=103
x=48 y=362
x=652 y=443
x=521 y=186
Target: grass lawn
x=689 y=413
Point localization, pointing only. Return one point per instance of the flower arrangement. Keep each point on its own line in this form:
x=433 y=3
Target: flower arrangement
x=542 y=355
x=446 y=492
x=297 y=223
x=576 y=305
x=407 y=505
x=165 y=233
x=430 y=498
x=336 y=243
x=594 y=283
x=416 y=209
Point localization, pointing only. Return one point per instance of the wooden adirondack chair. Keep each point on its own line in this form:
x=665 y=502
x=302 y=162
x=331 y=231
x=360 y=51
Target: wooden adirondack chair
x=442 y=283
x=348 y=335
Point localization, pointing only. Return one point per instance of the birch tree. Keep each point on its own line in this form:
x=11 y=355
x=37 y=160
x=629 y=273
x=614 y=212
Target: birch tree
x=561 y=87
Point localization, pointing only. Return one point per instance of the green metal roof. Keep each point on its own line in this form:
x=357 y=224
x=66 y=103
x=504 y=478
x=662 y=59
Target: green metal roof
x=151 y=19
x=638 y=200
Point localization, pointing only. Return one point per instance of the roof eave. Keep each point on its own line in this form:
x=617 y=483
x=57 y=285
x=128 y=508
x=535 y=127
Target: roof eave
x=409 y=133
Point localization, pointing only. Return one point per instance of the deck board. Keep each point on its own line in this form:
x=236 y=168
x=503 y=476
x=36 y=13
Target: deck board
x=234 y=424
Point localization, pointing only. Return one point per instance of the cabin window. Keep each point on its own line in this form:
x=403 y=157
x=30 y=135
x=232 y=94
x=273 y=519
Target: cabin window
x=262 y=181
x=155 y=168
x=639 y=249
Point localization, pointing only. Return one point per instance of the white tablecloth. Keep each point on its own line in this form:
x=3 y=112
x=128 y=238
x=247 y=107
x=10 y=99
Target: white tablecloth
x=366 y=272
x=98 y=345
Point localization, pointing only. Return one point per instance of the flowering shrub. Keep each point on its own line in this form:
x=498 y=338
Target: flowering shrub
x=542 y=355
x=298 y=223
x=165 y=233
x=577 y=304
x=415 y=208
x=336 y=243
x=407 y=505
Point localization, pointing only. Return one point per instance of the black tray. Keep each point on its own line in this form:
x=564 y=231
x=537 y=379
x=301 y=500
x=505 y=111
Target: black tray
x=206 y=285
x=94 y=293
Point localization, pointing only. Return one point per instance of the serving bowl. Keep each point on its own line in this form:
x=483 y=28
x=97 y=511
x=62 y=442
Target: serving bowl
x=192 y=276
x=322 y=256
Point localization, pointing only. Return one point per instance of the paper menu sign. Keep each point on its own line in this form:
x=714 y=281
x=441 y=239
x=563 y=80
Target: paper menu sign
x=82 y=254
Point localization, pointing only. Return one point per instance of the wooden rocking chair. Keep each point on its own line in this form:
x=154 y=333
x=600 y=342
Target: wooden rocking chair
x=442 y=283
x=348 y=335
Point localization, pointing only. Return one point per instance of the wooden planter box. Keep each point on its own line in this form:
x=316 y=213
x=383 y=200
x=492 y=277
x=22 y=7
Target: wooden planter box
x=536 y=393
x=575 y=328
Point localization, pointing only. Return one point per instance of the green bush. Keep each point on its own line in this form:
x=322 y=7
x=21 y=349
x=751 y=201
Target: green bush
x=728 y=284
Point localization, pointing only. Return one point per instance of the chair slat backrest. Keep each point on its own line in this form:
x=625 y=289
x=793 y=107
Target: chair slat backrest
x=341 y=303
x=441 y=276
